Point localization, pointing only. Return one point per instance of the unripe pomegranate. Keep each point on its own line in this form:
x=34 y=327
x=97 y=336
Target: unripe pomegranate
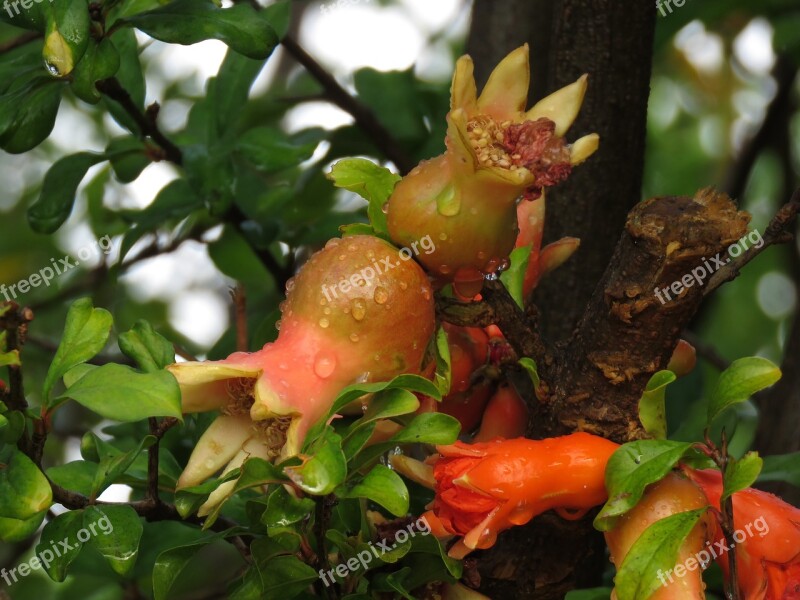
x=356 y=312
x=506 y=416
x=673 y=494
x=465 y=199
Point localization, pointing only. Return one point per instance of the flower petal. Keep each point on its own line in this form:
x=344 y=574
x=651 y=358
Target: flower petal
x=506 y=93
x=562 y=106
x=203 y=384
x=583 y=148
x=216 y=447
x=255 y=447
x=464 y=92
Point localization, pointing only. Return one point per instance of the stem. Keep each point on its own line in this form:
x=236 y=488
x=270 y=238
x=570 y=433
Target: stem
x=240 y=311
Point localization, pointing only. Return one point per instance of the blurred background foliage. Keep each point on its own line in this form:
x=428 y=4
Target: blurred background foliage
x=723 y=112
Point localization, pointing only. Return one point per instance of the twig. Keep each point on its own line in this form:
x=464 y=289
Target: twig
x=706 y=350
x=777 y=233
x=21 y=40
x=364 y=117
x=15 y=323
x=240 y=317
x=146 y=121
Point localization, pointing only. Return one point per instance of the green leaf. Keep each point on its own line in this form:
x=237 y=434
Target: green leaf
x=188 y=500
x=412 y=383
x=120 y=393
x=656 y=551
x=151 y=351
x=128 y=157
x=284 y=509
x=285 y=577
x=270 y=149
x=514 y=277
x=85 y=333
x=531 y=369
x=323 y=468
x=172 y=562
x=393 y=97
x=783 y=467
x=24 y=490
x=630 y=470
x=55 y=558
x=444 y=374
x=28 y=112
x=741 y=380
x=59 y=190
x=77 y=476
x=652 y=411
x=111 y=467
x=370 y=181
x=741 y=473
x=227 y=95
x=119 y=530
x=130 y=78
x=383 y=486
x=101 y=61
x=190 y=21
x=385 y=405
x=17 y=530
x=66 y=35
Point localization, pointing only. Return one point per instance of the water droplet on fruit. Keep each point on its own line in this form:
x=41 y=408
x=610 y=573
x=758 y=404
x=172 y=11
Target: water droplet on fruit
x=359 y=309
x=445 y=270
x=364 y=377
x=377 y=358
x=448 y=203
x=342 y=257
x=322 y=302
x=473 y=211
x=283 y=366
x=278 y=324
x=290 y=284
x=403 y=285
x=426 y=293
x=443 y=236
x=324 y=365
x=323 y=322
x=370 y=254
x=353 y=337
x=381 y=295
x=352 y=247
x=503 y=265
x=332 y=243
x=385 y=208
x=326 y=310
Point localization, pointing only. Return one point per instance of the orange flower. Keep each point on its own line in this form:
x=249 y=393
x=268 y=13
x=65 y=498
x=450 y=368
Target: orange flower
x=485 y=488
x=767 y=540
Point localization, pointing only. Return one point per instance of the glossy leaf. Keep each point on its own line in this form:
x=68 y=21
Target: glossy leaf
x=630 y=470
x=323 y=468
x=741 y=380
x=53 y=554
x=370 y=181
x=652 y=410
x=741 y=473
x=383 y=486
x=120 y=393
x=151 y=351
x=119 y=531
x=514 y=277
x=24 y=490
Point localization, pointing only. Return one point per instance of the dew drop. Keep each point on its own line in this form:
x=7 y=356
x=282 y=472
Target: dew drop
x=290 y=284
x=445 y=270
x=377 y=358
x=448 y=203
x=323 y=322
x=322 y=302
x=278 y=324
x=468 y=282
x=503 y=265
x=381 y=295
x=385 y=208
x=443 y=236
x=359 y=309
x=353 y=337
x=342 y=257
x=638 y=460
x=473 y=211
x=326 y=310
x=352 y=247
x=52 y=69
x=283 y=366
x=426 y=293
x=324 y=365
x=332 y=243
x=403 y=285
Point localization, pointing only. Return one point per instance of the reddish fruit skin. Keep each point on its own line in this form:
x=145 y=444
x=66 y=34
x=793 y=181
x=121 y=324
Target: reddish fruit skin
x=683 y=360
x=768 y=561
x=671 y=495
x=468 y=406
x=469 y=349
x=506 y=416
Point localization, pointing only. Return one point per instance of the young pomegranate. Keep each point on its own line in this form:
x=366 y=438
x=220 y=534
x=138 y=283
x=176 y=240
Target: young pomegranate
x=673 y=494
x=766 y=538
x=345 y=320
x=465 y=199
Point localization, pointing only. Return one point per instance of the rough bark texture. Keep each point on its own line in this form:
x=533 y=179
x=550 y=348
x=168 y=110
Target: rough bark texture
x=596 y=380
x=627 y=333
x=612 y=40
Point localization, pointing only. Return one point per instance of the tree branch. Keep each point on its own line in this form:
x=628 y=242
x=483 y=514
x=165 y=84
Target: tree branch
x=364 y=117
